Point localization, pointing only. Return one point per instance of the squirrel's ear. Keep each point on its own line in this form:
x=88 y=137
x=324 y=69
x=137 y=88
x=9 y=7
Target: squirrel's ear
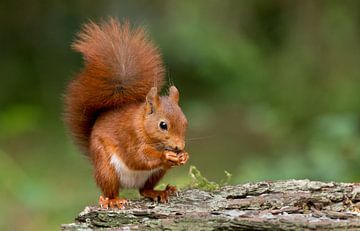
x=152 y=101
x=174 y=94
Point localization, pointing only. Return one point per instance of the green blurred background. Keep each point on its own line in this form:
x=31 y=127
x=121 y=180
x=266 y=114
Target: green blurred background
x=270 y=88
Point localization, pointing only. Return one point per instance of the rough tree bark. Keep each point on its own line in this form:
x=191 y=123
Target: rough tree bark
x=282 y=205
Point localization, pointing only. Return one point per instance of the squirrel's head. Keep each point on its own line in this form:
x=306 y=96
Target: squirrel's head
x=165 y=124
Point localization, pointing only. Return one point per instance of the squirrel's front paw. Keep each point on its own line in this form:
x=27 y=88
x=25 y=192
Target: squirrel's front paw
x=183 y=157
x=171 y=158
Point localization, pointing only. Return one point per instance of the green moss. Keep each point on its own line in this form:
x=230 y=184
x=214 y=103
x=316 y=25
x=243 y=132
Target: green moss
x=201 y=182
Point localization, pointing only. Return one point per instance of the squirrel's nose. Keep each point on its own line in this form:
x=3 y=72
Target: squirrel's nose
x=179 y=146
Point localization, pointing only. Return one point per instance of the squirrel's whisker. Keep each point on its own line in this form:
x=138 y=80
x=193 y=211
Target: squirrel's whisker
x=199 y=138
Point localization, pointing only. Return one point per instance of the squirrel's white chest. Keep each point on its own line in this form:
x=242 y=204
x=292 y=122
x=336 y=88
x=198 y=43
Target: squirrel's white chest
x=130 y=178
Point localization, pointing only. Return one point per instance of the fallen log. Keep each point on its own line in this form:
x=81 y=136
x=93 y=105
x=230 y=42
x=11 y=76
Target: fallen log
x=281 y=205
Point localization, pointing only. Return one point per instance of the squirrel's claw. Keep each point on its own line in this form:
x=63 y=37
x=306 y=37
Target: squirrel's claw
x=183 y=157
x=105 y=203
x=159 y=196
x=118 y=202
x=170 y=189
x=171 y=156
x=163 y=197
x=176 y=158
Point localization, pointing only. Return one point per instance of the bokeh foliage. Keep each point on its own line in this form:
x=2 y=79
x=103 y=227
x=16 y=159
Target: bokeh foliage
x=271 y=90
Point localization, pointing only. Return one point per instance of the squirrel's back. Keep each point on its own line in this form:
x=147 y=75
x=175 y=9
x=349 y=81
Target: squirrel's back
x=120 y=67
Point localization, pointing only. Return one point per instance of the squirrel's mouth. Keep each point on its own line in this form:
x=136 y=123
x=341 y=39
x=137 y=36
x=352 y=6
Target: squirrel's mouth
x=168 y=148
x=162 y=147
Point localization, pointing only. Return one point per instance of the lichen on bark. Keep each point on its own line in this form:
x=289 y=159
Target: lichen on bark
x=282 y=205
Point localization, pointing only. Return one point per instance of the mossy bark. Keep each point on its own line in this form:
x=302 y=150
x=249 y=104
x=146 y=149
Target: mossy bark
x=282 y=205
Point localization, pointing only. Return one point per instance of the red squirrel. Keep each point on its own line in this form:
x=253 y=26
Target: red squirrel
x=131 y=134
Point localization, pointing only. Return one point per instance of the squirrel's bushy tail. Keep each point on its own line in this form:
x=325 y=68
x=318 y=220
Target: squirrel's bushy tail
x=120 y=67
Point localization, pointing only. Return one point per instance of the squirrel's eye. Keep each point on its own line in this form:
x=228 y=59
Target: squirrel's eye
x=163 y=125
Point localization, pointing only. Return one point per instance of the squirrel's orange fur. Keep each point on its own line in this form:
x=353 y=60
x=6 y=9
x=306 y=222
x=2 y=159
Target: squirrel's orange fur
x=116 y=116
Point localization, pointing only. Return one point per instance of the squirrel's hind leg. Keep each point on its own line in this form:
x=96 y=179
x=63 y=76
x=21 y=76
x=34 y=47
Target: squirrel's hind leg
x=161 y=196
x=109 y=183
x=106 y=177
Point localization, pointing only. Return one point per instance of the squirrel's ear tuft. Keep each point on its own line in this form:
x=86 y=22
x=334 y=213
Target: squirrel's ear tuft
x=174 y=94
x=152 y=101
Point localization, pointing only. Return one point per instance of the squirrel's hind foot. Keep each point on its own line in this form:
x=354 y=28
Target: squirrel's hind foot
x=161 y=196
x=112 y=203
